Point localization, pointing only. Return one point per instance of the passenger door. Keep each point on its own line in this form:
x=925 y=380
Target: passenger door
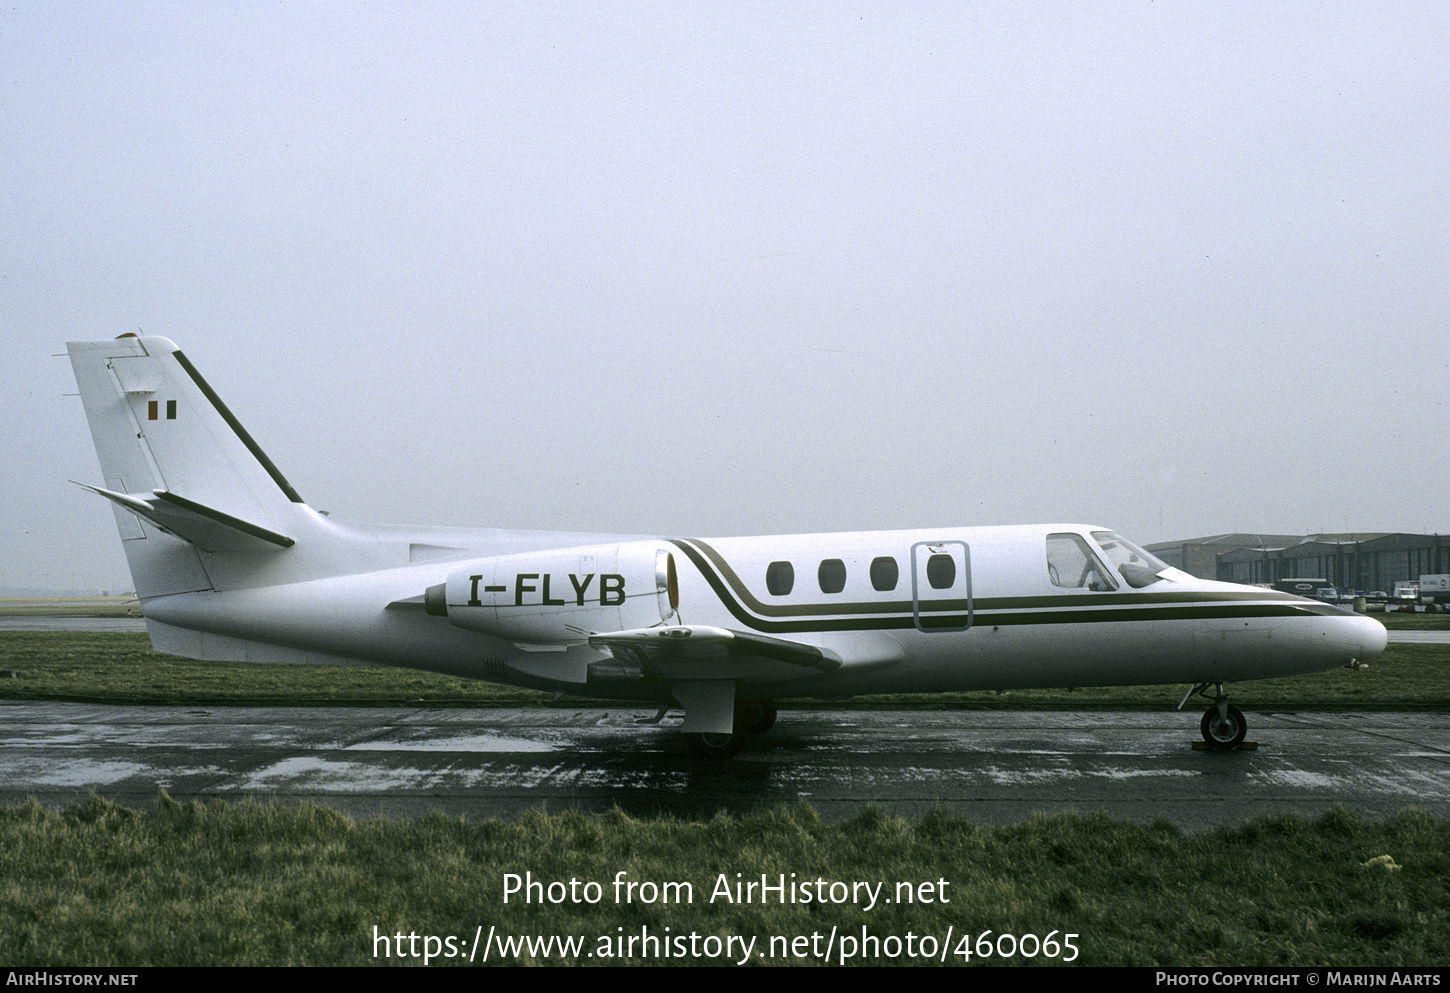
x=941 y=586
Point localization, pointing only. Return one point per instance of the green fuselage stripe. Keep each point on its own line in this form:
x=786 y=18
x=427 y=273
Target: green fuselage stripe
x=1083 y=608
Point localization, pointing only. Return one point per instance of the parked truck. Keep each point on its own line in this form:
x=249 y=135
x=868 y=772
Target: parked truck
x=1435 y=589
x=1301 y=587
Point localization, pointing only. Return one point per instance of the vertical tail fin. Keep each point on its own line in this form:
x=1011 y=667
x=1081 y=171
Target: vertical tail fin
x=178 y=465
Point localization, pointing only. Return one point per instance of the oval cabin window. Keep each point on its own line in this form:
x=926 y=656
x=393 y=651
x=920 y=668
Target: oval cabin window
x=779 y=578
x=832 y=576
x=941 y=572
x=884 y=573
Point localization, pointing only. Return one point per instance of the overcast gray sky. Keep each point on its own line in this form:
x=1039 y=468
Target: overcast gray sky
x=711 y=269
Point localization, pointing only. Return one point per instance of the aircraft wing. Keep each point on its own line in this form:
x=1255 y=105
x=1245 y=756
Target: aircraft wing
x=700 y=652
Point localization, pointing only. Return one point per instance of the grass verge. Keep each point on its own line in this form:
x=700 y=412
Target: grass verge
x=251 y=884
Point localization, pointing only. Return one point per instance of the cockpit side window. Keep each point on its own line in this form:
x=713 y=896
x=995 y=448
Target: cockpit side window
x=1072 y=565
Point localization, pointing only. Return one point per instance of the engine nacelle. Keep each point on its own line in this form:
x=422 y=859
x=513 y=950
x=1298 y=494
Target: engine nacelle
x=561 y=596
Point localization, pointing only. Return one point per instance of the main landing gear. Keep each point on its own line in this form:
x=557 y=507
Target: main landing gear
x=751 y=717
x=754 y=716
x=1223 y=725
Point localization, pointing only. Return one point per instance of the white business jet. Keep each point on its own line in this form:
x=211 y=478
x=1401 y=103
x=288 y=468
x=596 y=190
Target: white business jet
x=230 y=564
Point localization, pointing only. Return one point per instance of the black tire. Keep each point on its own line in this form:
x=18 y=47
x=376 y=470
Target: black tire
x=754 y=716
x=715 y=746
x=1223 y=735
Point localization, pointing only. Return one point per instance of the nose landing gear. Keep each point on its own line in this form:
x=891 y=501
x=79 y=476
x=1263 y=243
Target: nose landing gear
x=1223 y=725
x=1223 y=731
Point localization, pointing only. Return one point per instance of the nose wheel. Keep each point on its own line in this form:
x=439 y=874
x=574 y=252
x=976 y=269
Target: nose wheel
x=1224 y=731
x=1223 y=724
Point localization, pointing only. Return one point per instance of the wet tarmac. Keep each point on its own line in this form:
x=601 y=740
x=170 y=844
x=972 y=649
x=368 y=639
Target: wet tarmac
x=995 y=767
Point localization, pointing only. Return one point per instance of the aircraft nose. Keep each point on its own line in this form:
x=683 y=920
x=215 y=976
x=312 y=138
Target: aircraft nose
x=1371 y=637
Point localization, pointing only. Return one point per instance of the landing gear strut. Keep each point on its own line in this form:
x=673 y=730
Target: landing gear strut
x=1223 y=724
x=752 y=716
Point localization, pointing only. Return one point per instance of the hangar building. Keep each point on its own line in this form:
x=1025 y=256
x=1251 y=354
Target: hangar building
x=1358 y=561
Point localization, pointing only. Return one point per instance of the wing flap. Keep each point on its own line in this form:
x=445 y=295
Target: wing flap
x=684 y=652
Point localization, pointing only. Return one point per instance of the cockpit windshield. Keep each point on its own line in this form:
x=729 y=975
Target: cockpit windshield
x=1135 y=565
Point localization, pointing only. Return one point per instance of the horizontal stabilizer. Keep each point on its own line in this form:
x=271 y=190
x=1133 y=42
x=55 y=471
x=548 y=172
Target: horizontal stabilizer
x=205 y=527
x=699 y=652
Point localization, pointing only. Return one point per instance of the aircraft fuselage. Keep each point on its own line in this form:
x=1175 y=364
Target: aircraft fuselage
x=997 y=623
x=231 y=564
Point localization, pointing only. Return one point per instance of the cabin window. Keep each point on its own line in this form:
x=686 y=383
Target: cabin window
x=941 y=571
x=832 y=575
x=1073 y=566
x=884 y=573
x=779 y=578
